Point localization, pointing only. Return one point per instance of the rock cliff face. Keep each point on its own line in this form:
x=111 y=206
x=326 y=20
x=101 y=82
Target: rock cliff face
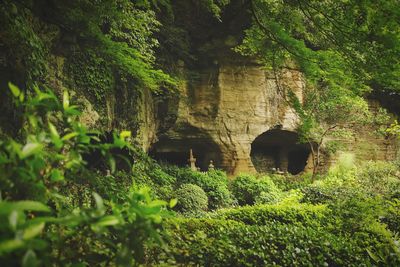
x=224 y=110
x=235 y=114
x=230 y=110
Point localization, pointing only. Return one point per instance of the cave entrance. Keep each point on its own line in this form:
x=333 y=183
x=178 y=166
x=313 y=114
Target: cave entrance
x=176 y=152
x=279 y=149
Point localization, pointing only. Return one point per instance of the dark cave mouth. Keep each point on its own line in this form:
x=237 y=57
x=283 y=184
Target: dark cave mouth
x=177 y=152
x=279 y=150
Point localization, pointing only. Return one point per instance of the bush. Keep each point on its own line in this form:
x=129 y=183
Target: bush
x=237 y=244
x=214 y=183
x=288 y=182
x=288 y=213
x=249 y=190
x=380 y=178
x=47 y=196
x=334 y=186
x=392 y=217
x=147 y=172
x=191 y=198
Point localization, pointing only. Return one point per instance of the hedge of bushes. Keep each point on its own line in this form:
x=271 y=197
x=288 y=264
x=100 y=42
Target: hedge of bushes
x=286 y=213
x=216 y=242
x=345 y=218
x=249 y=190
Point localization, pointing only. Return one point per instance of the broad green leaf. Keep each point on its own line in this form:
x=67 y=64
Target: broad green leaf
x=125 y=134
x=14 y=89
x=107 y=221
x=21 y=97
x=99 y=201
x=8 y=207
x=69 y=136
x=56 y=175
x=10 y=245
x=65 y=100
x=30 y=149
x=29 y=259
x=53 y=130
x=173 y=202
x=13 y=220
x=72 y=110
x=112 y=164
x=32 y=231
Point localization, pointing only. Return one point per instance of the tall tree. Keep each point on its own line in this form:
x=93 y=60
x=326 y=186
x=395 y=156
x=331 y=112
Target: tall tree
x=345 y=49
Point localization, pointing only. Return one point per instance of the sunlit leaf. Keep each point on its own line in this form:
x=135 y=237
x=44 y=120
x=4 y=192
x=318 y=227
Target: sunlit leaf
x=56 y=175
x=69 y=136
x=7 y=207
x=53 y=130
x=65 y=100
x=30 y=149
x=14 y=89
x=125 y=134
x=13 y=220
x=32 y=231
x=107 y=221
x=10 y=245
x=99 y=201
x=173 y=202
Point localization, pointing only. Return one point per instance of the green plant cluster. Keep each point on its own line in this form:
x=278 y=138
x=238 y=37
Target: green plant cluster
x=224 y=242
x=49 y=213
x=214 y=183
x=28 y=47
x=92 y=75
x=349 y=217
x=249 y=190
x=191 y=198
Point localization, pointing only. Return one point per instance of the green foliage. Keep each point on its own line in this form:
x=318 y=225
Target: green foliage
x=146 y=172
x=191 y=198
x=249 y=190
x=394 y=129
x=346 y=43
x=288 y=182
x=238 y=244
x=342 y=48
x=214 y=183
x=380 y=178
x=22 y=36
x=285 y=213
x=40 y=173
x=392 y=216
x=91 y=74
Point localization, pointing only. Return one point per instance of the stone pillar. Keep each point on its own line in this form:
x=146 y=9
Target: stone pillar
x=192 y=161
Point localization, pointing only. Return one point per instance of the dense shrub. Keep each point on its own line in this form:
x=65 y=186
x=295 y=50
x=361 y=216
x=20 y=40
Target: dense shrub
x=288 y=182
x=191 y=198
x=288 y=213
x=147 y=172
x=48 y=199
x=211 y=242
x=214 y=183
x=249 y=190
x=392 y=216
x=339 y=183
x=381 y=178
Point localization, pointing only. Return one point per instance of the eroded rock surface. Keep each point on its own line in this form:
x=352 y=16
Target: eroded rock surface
x=231 y=104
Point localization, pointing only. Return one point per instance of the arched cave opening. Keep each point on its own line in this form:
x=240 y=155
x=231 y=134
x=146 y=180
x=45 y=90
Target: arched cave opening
x=177 y=152
x=279 y=149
